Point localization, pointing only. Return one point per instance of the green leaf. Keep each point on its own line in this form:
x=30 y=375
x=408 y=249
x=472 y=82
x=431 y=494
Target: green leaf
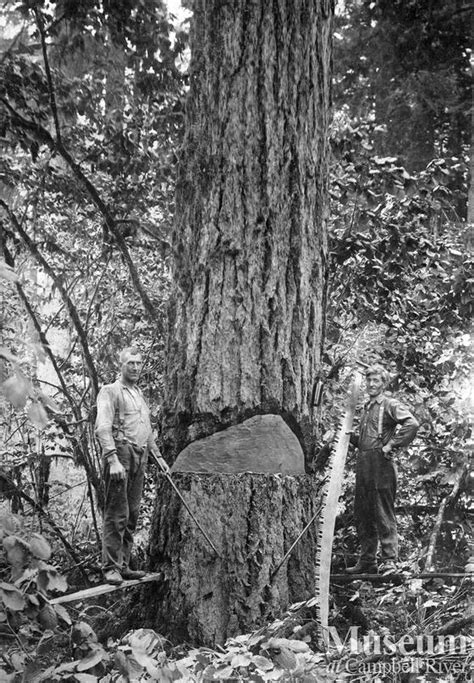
x=208 y=673
x=7 y=272
x=240 y=660
x=49 y=403
x=262 y=663
x=40 y=547
x=225 y=672
x=38 y=415
x=66 y=667
x=17 y=550
x=12 y=598
x=18 y=660
x=47 y=617
x=5 y=353
x=81 y=633
x=129 y=668
x=145 y=640
x=95 y=656
x=9 y=523
x=49 y=579
x=63 y=614
x=16 y=389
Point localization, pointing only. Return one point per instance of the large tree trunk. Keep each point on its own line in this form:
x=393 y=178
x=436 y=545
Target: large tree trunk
x=249 y=242
x=246 y=316
x=205 y=599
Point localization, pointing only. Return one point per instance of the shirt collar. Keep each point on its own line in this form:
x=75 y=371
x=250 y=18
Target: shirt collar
x=125 y=386
x=378 y=399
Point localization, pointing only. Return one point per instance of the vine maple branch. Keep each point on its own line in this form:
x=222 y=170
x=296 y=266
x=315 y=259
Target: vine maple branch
x=47 y=349
x=57 y=145
x=52 y=95
x=94 y=294
x=42 y=512
x=92 y=474
x=439 y=518
x=35 y=252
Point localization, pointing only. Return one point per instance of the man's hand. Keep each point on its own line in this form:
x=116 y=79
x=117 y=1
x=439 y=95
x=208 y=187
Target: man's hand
x=162 y=463
x=116 y=469
x=387 y=451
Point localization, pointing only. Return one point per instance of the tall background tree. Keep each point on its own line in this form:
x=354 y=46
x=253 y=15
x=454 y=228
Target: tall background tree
x=405 y=66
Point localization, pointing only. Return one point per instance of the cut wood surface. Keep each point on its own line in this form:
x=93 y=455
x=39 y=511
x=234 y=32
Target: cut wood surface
x=93 y=592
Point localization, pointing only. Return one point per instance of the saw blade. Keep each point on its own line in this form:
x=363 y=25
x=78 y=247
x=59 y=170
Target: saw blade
x=330 y=500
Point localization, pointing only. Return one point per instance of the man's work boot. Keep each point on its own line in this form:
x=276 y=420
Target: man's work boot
x=130 y=574
x=362 y=568
x=113 y=576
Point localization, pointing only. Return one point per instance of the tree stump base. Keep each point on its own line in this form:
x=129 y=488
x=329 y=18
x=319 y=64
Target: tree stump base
x=252 y=520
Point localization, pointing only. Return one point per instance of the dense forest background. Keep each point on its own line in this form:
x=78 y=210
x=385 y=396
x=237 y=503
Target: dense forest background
x=92 y=97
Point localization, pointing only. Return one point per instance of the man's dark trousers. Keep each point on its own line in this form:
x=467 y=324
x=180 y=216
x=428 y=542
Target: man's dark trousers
x=374 y=506
x=122 y=505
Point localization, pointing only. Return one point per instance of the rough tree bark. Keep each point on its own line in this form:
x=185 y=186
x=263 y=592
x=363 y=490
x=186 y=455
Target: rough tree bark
x=249 y=242
x=252 y=520
x=246 y=316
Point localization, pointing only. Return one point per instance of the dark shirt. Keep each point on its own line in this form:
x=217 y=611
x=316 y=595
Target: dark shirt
x=398 y=424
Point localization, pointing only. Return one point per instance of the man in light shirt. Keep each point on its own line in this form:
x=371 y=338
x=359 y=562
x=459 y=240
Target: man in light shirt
x=124 y=432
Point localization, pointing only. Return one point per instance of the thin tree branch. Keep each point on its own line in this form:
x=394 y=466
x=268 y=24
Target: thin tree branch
x=53 y=318
x=455 y=625
x=52 y=96
x=47 y=349
x=94 y=516
x=62 y=290
x=94 y=294
x=91 y=472
x=64 y=361
x=42 y=512
x=439 y=518
x=76 y=169
x=57 y=145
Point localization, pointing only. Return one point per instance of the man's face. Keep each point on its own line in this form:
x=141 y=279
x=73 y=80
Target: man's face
x=131 y=367
x=375 y=385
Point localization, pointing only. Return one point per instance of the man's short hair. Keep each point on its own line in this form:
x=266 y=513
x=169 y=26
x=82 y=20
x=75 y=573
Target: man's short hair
x=377 y=369
x=129 y=351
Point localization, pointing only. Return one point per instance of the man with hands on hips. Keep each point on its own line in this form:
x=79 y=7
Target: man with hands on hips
x=124 y=431
x=385 y=425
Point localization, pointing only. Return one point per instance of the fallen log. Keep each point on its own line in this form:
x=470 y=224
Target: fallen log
x=399 y=577
x=93 y=592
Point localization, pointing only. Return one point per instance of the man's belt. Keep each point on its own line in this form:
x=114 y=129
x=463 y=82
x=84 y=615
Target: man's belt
x=126 y=442
x=364 y=451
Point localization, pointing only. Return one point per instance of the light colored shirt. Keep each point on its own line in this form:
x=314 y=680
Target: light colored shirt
x=136 y=427
x=398 y=424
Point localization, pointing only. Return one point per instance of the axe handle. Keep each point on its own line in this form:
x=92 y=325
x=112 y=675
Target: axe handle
x=168 y=476
x=288 y=553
